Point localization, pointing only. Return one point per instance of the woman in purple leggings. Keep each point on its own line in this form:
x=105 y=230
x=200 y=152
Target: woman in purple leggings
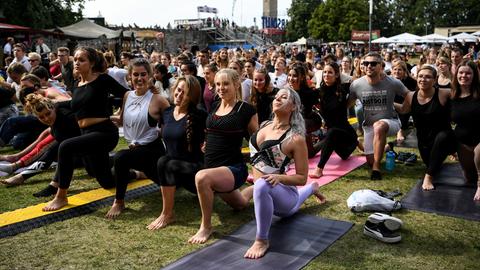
x=272 y=148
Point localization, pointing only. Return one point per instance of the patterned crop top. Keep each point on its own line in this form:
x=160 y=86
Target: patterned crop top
x=269 y=158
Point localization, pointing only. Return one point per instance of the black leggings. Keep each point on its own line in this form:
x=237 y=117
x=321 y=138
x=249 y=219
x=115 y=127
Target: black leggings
x=342 y=141
x=434 y=152
x=404 y=120
x=142 y=158
x=179 y=173
x=93 y=145
x=469 y=159
x=311 y=125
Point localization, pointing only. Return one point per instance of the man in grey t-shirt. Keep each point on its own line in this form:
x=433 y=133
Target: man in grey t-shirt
x=376 y=92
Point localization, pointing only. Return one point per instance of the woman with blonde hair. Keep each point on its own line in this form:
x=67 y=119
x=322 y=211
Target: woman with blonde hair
x=225 y=171
x=444 y=66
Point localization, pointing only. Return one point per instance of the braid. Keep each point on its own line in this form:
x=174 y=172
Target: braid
x=189 y=128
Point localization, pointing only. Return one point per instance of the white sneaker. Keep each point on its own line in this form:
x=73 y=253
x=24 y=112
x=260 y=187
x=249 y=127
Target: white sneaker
x=380 y=232
x=391 y=223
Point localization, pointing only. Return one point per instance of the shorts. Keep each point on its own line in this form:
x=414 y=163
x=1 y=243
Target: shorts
x=394 y=126
x=240 y=174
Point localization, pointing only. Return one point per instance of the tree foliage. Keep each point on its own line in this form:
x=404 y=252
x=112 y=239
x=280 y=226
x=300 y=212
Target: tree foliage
x=300 y=13
x=42 y=14
x=333 y=20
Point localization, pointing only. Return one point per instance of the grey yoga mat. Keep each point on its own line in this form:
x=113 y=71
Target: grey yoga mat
x=294 y=241
x=451 y=196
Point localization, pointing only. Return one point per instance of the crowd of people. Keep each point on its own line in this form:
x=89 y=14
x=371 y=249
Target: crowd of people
x=185 y=118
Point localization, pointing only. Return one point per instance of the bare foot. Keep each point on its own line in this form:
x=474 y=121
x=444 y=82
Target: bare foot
x=321 y=199
x=477 y=195
x=116 y=210
x=161 y=222
x=400 y=136
x=14 y=180
x=427 y=183
x=317 y=173
x=257 y=250
x=201 y=236
x=55 y=204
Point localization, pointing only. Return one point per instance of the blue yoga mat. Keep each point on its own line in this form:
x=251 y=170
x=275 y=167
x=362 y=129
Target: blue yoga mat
x=294 y=242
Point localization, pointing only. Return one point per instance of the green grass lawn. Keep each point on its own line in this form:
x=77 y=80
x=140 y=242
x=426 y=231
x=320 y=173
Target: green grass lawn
x=91 y=242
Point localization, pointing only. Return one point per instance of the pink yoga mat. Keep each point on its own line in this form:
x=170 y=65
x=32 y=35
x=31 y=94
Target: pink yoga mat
x=334 y=169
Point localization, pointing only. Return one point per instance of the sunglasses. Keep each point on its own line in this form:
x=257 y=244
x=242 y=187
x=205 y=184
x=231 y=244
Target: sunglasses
x=372 y=63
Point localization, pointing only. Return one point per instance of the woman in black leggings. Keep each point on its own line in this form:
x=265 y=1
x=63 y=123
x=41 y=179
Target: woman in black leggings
x=465 y=114
x=139 y=116
x=430 y=109
x=99 y=136
x=340 y=136
x=183 y=132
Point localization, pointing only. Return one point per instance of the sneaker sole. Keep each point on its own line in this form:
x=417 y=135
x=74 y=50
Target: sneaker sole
x=391 y=223
x=378 y=236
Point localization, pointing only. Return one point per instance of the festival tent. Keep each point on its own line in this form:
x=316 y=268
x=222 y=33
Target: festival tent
x=462 y=37
x=383 y=40
x=89 y=30
x=434 y=38
x=406 y=38
x=301 y=41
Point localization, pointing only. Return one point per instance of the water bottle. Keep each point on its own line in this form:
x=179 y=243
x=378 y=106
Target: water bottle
x=390 y=161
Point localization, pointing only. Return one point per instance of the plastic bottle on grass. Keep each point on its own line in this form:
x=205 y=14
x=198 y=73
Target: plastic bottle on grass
x=390 y=161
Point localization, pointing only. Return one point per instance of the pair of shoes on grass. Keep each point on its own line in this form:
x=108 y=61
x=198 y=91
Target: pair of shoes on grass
x=383 y=227
x=406 y=158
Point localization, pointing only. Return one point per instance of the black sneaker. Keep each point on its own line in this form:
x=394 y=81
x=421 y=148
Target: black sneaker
x=376 y=175
x=391 y=223
x=411 y=160
x=46 y=192
x=402 y=157
x=380 y=232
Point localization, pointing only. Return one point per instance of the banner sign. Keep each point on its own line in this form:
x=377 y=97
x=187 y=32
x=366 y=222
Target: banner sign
x=271 y=22
x=207 y=9
x=363 y=35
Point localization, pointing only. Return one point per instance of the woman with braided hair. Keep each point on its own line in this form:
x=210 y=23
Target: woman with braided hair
x=140 y=114
x=183 y=134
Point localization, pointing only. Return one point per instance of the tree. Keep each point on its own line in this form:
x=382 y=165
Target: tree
x=334 y=20
x=300 y=13
x=42 y=14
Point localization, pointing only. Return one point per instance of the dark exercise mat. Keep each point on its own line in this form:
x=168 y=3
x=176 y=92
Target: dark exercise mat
x=451 y=196
x=294 y=242
x=410 y=140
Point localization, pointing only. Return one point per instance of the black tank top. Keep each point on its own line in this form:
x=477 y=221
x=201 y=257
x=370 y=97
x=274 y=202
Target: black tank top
x=430 y=118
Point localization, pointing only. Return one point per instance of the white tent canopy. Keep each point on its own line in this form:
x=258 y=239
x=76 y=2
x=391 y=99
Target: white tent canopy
x=406 y=38
x=476 y=34
x=434 y=38
x=462 y=37
x=301 y=41
x=88 y=29
x=383 y=40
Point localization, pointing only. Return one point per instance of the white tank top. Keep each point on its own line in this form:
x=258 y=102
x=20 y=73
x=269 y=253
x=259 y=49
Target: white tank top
x=135 y=119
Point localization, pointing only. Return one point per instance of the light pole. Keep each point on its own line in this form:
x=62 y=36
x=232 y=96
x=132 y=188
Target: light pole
x=370 y=25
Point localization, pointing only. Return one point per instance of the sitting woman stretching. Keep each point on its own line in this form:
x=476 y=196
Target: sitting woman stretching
x=183 y=131
x=99 y=136
x=340 y=136
x=430 y=109
x=226 y=170
x=274 y=192
x=139 y=116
